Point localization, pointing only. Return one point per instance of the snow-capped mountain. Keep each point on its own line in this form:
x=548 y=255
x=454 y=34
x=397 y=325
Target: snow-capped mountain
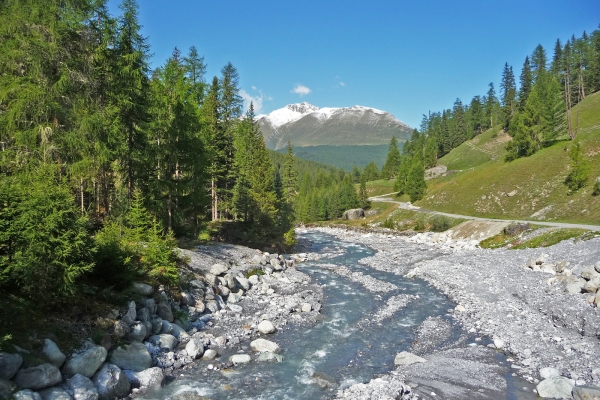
x=306 y=125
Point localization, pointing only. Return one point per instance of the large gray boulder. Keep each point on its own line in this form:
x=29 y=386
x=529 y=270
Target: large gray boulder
x=574 y=285
x=180 y=334
x=82 y=388
x=195 y=348
x=406 y=358
x=9 y=364
x=240 y=358
x=55 y=393
x=27 y=395
x=555 y=387
x=164 y=311
x=267 y=356
x=260 y=345
x=134 y=356
x=164 y=341
x=148 y=379
x=131 y=314
x=242 y=283
x=589 y=273
x=53 y=353
x=354 y=213
x=111 y=382
x=142 y=288
x=218 y=269
x=586 y=393
x=38 y=377
x=138 y=332
x=592 y=285
x=87 y=362
x=266 y=327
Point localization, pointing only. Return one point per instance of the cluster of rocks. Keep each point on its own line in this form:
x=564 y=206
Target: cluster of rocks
x=369 y=283
x=442 y=239
x=393 y=305
x=389 y=387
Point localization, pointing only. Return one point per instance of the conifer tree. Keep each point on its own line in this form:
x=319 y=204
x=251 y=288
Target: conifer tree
x=491 y=104
x=509 y=95
x=415 y=183
x=393 y=160
x=363 y=197
x=538 y=61
x=526 y=83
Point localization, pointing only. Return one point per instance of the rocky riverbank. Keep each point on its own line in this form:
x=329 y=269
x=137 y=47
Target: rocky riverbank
x=537 y=305
x=230 y=299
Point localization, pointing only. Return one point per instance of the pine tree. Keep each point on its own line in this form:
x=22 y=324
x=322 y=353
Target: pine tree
x=347 y=195
x=289 y=175
x=580 y=169
x=526 y=83
x=363 y=197
x=393 y=160
x=509 y=94
x=538 y=61
x=415 y=183
x=490 y=105
x=459 y=124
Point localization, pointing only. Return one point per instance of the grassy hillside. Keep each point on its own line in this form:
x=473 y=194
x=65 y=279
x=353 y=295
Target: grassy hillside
x=343 y=156
x=483 y=184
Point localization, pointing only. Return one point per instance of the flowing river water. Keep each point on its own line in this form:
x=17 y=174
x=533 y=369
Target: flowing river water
x=340 y=346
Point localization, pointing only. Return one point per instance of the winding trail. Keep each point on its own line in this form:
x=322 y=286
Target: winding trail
x=384 y=198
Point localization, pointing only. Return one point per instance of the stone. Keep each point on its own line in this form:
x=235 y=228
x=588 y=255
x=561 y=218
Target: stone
x=574 y=285
x=460 y=308
x=166 y=327
x=306 y=307
x=180 y=334
x=498 y=343
x=150 y=304
x=164 y=341
x=597 y=267
x=164 y=311
x=406 y=358
x=209 y=354
x=220 y=302
x=134 y=356
x=260 y=345
x=53 y=353
x=156 y=325
x=267 y=356
x=240 y=358
x=9 y=364
x=212 y=305
x=87 y=362
x=26 y=395
x=131 y=314
x=275 y=264
x=589 y=272
x=555 y=387
x=266 y=327
x=586 y=393
x=138 y=332
x=148 y=379
x=196 y=284
x=548 y=372
x=143 y=314
x=218 y=269
x=235 y=308
x=195 y=348
x=142 y=288
x=224 y=291
x=597 y=299
x=55 y=393
x=242 y=283
x=592 y=285
x=200 y=306
x=211 y=279
x=82 y=388
x=121 y=329
x=234 y=297
x=257 y=259
x=254 y=279
x=111 y=382
x=324 y=380
x=6 y=388
x=354 y=213
x=220 y=341
x=38 y=377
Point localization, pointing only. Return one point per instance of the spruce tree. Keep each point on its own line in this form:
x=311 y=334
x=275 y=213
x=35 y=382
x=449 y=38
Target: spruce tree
x=490 y=106
x=526 y=83
x=393 y=160
x=538 y=61
x=415 y=184
x=509 y=95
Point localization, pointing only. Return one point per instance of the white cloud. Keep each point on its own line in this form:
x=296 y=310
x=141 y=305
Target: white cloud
x=301 y=90
x=342 y=84
x=257 y=100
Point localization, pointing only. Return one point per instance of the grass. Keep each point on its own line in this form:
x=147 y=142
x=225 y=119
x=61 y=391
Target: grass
x=555 y=236
x=527 y=188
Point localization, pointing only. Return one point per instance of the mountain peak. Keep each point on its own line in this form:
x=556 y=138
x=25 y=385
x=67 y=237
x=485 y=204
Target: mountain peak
x=302 y=108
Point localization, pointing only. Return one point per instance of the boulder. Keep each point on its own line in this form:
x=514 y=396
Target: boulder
x=242 y=283
x=254 y=279
x=121 y=329
x=260 y=345
x=82 y=387
x=212 y=305
x=195 y=348
x=240 y=358
x=498 y=343
x=131 y=314
x=589 y=272
x=55 y=393
x=267 y=356
x=53 y=353
x=266 y=327
x=138 y=332
x=142 y=288
x=26 y=395
x=6 y=388
x=143 y=314
x=166 y=327
x=157 y=324
x=148 y=379
x=574 y=285
x=134 y=356
x=548 y=372
x=211 y=279
x=406 y=358
x=354 y=213
x=218 y=269
x=164 y=311
x=38 y=377
x=87 y=362
x=592 y=285
x=164 y=341
x=209 y=354
x=9 y=364
x=555 y=387
x=586 y=393
x=111 y=382
x=234 y=297
x=180 y=334
x=306 y=307
x=200 y=306
x=150 y=304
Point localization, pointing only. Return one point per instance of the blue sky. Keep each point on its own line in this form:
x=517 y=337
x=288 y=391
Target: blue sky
x=405 y=57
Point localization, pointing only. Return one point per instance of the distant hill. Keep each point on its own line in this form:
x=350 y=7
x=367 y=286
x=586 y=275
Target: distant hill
x=307 y=125
x=481 y=183
x=304 y=166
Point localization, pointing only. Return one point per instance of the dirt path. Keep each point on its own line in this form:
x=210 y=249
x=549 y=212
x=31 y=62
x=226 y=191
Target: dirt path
x=407 y=206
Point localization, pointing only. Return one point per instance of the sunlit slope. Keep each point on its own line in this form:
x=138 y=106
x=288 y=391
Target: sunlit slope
x=528 y=188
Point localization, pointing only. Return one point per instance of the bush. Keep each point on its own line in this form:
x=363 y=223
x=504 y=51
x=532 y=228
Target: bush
x=113 y=259
x=388 y=223
x=441 y=223
x=254 y=271
x=420 y=224
x=596 y=191
x=580 y=169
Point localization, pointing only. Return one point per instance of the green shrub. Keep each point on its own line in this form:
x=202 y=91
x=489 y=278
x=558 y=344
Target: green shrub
x=114 y=265
x=388 y=223
x=596 y=191
x=441 y=223
x=420 y=224
x=254 y=271
x=289 y=238
x=580 y=169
